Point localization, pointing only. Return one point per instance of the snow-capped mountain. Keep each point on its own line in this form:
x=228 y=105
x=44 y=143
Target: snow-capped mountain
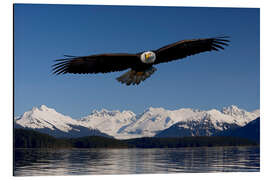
x=47 y=120
x=243 y=116
x=109 y=122
x=152 y=121
x=155 y=120
x=44 y=117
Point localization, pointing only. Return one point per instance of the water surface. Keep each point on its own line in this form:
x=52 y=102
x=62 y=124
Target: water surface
x=33 y=162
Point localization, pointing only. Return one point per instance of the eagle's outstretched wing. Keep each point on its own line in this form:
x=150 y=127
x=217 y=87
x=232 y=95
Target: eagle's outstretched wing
x=186 y=48
x=101 y=63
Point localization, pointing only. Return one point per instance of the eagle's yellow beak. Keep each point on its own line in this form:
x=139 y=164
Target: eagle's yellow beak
x=147 y=55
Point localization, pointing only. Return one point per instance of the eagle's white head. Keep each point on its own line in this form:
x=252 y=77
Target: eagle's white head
x=148 y=57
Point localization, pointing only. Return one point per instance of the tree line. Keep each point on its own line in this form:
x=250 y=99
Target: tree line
x=32 y=139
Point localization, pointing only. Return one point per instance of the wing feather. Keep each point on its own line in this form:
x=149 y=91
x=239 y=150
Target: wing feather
x=184 y=48
x=102 y=63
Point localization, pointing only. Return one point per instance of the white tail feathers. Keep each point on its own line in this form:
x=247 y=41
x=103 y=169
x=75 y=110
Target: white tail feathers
x=133 y=77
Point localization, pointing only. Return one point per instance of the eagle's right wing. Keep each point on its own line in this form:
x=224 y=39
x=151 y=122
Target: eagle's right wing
x=184 y=48
x=101 y=63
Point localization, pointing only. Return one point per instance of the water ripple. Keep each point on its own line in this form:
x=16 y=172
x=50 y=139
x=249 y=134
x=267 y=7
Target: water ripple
x=33 y=162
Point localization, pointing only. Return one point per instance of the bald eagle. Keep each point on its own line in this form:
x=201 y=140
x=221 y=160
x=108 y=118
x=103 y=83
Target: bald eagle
x=140 y=64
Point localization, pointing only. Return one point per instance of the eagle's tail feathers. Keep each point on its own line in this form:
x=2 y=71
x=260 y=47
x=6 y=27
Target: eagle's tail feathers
x=134 y=77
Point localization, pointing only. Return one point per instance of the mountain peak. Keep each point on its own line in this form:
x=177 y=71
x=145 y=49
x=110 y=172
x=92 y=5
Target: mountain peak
x=153 y=109
x=231 y=109
x=44 y=108
x=104 y=112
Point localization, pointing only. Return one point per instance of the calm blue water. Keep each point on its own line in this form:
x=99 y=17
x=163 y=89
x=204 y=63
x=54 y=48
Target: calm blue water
x=33 y=162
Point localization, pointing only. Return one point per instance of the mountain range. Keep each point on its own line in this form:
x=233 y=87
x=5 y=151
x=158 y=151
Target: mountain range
x=152 y=122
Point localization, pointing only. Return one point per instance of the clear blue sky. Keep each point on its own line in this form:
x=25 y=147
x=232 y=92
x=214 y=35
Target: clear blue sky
x=209 y=80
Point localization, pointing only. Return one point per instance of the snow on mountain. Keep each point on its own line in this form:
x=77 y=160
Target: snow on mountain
x=155 y=120
x=47 y=120
x=109 y=122
x=44 y=117
x=241 y=115
x=126 y=124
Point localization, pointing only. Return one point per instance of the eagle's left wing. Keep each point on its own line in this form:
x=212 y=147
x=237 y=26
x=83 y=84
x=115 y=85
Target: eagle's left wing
x=101 y=63
x=184 y=48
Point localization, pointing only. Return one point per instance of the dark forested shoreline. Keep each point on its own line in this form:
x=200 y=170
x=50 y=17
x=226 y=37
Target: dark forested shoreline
x=33 y=139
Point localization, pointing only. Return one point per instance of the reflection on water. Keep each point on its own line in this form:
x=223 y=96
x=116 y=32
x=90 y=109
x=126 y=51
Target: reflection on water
x=31 y=162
